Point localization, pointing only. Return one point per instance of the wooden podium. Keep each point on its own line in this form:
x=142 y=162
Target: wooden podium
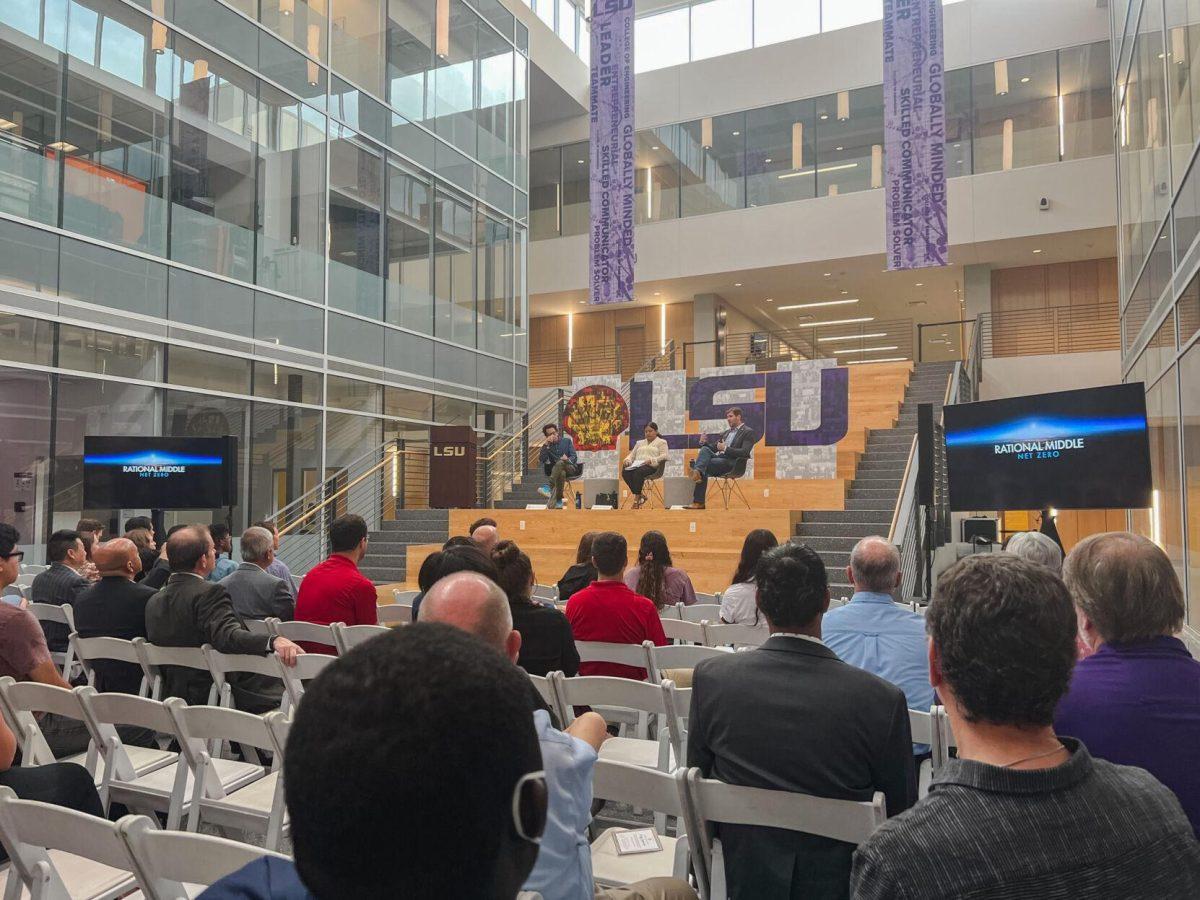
x=452 y=451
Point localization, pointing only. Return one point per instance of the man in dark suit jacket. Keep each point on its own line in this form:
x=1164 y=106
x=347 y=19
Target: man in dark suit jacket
x=728 y=457
x=115 y=606
x=791 y=716
x=257 y=594
x=190 y=612
x=60 y=584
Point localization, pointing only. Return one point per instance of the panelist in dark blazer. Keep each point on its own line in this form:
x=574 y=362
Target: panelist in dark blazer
x=791 y=716
x=60 y=584
x=115 y=606
x=190 y=612
x=255 y=592
x=728 y=457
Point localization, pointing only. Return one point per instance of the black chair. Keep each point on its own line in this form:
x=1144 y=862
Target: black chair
x=574 y=473
x=727 y=485
x=652 y=488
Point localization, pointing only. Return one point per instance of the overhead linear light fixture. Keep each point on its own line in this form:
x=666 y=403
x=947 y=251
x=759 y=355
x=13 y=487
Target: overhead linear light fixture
x=1062 y=128
x=706 y=133
x=852 y=337
x=837 y=168
x=314 y=49
x=737 y=284
x=797 y=145
x=442 y=29
x=876 y=165
x=287 y=7
x=1006 y=147
x=843 y=106
x=865 y=350
x=859 y=362
x=820 y=303
x=1000 y=74
x=662 y=329
x=571 y=335
x=158 y=30
x=63 y=146
x=840 y=322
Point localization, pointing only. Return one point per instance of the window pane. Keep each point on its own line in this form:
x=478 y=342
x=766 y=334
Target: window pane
x=405 y=404
x=282 y=321
x=1016 y=112
x=208 y=303
x=566 y=22
x=576 y=187
x=544 y=186
x=201 y=415
x=410 y=55
x=843 y=13
x=545 y=11
x=355 y=198
x=408 y=352
x=88 y=350
x=28 y=257
x=25 y=447
x=350 y=394
x=712 y=172
x=278 y=382
x=204 y=369
x=721 y=26
x=780 y=153
x=358 y=37
x=27 y=340
x=494 y=111
x=355 y=340
x=1189 y=379
x=958 y=123
x=785 y=20
x=661 y=40
x=656 y=179
x=291 y=196
x=849 y=142
x=454 y=273
x=1086 y=86
x=449 y=411
x=494 y=269
x=1183 y=30
x=1162 y=415
x=1188 y=312
x=285 y=456
x=302 y=25
x=454 y=81
x=109 y=278
x=409 y=254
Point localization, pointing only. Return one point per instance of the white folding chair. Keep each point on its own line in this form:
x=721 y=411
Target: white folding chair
x=304 y=631
x=698 y=612
x=679 y=630
x=394 y=614
x=622 y=654
x=546 y=688
x=22 y=702
x=678 y=656
x=641 y=697
x=707 y=802
x=308 y=666
x=60 y=854
x=702 y=598
x=404 y=598
x=33 y=569
x=651 y=789
x=221 y=665
x=347 y=637
x=175 y=865
x=61 y=615
x=154 y=657
x=678 y=702
x=255 y=806
x=943 y=737
x=89 y=650
x=24 y=580
x=670 y=612
x=257 y=626
x=545 y=592
x=922 y=728
x=167 y=789
x=717 y=634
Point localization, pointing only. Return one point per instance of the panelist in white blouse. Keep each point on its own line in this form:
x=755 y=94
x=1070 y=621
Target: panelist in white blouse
x=641 y=462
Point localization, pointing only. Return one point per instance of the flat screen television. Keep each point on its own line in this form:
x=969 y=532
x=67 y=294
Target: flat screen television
x=1085 y=449
x=159 y=472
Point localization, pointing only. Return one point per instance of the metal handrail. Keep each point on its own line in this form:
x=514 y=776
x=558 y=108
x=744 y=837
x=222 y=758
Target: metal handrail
x=530 y=414
x=307 y=495
x=907 y=491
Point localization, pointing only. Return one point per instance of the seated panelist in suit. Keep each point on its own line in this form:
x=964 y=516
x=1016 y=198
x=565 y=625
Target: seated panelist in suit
x=728 y=457
x=791 y=716
x=255 y=592
x=115 y=606
x=190 y=611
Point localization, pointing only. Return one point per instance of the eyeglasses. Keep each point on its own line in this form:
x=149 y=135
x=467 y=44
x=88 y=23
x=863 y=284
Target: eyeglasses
x=19 y=554
x=529 y=801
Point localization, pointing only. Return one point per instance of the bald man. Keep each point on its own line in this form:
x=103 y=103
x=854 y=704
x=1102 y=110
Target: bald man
x=563 y=871
x=486 y=536
x=115 y=606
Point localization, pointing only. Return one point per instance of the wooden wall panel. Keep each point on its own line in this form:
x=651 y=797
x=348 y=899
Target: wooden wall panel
x=1016 y=293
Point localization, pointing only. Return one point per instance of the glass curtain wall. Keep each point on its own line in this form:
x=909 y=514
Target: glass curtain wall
x=1025 y=111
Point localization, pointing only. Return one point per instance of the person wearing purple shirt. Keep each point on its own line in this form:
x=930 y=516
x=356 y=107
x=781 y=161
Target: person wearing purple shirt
x=655 y=577
x=1136 y=699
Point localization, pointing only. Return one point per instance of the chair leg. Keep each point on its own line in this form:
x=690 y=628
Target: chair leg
x=735 y=487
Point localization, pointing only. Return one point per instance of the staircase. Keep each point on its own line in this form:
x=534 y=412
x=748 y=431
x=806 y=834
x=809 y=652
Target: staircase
x=872 y=498
x=387 y=549
x=525 y=491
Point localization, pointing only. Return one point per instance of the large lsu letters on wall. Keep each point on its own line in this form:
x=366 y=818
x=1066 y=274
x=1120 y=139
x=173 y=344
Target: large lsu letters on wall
x=803 y=414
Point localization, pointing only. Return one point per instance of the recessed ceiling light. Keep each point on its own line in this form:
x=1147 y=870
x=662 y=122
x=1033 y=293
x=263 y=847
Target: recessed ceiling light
x=658 y=293
x=845 y=292
x=824 y=116
x=839 y=148
x=7 y=125
x=64 y=146
x=1037 y=251
x=767 y=160
x=737 y=284
x=920 y=284
x=828 y=274
x=655 y=147
x=772 y=300
x=736 y=133
x=1025 y=80
x=580 y=161
x=821 y=303
x=865 y=349
x=852 y=337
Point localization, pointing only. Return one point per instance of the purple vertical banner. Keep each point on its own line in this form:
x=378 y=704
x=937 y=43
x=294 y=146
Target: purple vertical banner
x=613 y=145
x=914 y=129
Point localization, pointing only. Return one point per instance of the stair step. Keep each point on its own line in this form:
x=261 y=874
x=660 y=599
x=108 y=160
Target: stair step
x=383 y=575
x=855 y=530
x=421 y=536
x=829 y=544
x=878 y=493
x=835 y=560
x=873 y=517
x=872 y=504
x=385 y=560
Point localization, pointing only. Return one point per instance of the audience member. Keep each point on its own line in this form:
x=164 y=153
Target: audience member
x=642 y=462
x=254 y=591
x=334 y=590
x=1048 y=528
x=874 y=632
x=583 y=573
x=455 y=558
x=93 y=526
x=191 y=611
x=1136 y=700
x=143 y=539
x=161 y=570
x=139 y=522
x=1038 y=548
x=115 y=606
x=459 y=540
x=655 y=577
x=735 y=446
x=559 y=462
x=413 y=770
x=547 y=644
x=607 y=610
x=60 y=584
x=485 y=520
x=278 y=567
x=25 y=656
x=564 y=863
x=88 y=540
x=1021 y=812
x=222 y=539
x=486 y=536
x=739 y=603
x=791 y=716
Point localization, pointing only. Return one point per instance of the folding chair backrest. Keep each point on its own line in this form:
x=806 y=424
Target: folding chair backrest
x=21 y=701
x=52 y=612
x=545 y=592
x=214 y=723
x=702 y=598
x=394 y=613
x=640 y=786
x=153 y=658
x=88 y=650
x=943 y=738
x=29 y=828
x=404 y=598
x=166 y=861
x=671 y=612
x=279 y=725
x=125 y=709
x=679 y=630
x=545 y=687
x=719 y=635
x=221 y=664
x=257 y=626
x=308 y=666
x=698 y=612
x=599 y=690
x=921 y=726
x=347 y=637
x=679 y=656
x=305 y=631
x=623 y=654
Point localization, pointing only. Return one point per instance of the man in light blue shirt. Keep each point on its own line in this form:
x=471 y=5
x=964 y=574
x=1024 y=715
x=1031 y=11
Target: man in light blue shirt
x=223 y=543
x=877 y=634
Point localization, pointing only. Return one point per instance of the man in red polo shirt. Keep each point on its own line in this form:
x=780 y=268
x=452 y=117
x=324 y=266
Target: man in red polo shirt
x=335 y=591
x=608 y=611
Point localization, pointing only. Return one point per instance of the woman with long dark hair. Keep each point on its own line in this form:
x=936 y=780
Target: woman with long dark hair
x=738 y=604
x=583 y=573
x=656 y=577
x=547 y=644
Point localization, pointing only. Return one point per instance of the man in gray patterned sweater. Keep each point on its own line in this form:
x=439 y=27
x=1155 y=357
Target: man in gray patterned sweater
x=1021 y=812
